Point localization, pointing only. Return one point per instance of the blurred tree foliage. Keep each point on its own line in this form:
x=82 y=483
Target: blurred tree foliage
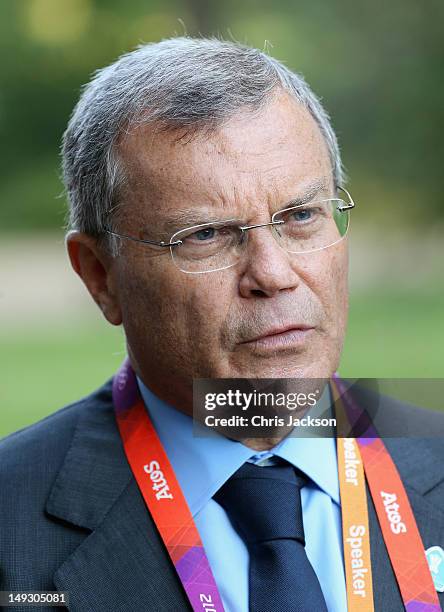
x=376 y=65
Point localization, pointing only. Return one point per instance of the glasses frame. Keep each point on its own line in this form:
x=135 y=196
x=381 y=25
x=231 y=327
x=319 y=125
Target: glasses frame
x=244 y=228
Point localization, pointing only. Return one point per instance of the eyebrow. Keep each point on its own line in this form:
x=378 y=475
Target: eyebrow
x=312 y=190
x=187 y=217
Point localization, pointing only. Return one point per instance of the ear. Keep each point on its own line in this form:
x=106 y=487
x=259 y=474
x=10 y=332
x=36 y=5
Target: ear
x=95 y=268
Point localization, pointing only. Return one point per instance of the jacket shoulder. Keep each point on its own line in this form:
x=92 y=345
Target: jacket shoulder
x=32 y=544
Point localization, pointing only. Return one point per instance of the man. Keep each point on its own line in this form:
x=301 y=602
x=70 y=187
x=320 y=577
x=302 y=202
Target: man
x=181 y=161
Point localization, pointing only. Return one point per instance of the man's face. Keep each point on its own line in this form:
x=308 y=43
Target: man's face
x=222 y=324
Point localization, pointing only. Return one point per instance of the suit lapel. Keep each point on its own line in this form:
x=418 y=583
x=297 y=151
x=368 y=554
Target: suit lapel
x=122 y=564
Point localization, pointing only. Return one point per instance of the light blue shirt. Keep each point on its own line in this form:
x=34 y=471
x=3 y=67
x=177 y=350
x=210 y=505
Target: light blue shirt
x=203 y=464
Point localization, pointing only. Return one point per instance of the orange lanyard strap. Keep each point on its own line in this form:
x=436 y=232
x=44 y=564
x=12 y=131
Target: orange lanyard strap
x=355 y=529
x=395 y=516
x=162 y=493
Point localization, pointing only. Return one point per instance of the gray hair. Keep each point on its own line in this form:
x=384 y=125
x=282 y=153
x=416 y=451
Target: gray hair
x=182 y=83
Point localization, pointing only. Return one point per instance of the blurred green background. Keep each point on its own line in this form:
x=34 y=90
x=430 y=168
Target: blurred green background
x=378 y=69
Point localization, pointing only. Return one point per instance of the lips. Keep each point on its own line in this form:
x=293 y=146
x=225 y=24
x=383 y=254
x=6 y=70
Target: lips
x=280 y=332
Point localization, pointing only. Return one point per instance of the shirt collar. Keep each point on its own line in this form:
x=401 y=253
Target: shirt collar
x=203 y=464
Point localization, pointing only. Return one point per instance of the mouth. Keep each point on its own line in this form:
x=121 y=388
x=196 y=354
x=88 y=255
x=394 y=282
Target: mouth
x=289 y=337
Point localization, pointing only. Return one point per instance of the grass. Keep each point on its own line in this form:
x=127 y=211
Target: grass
x=395 y=336
x=389 y=335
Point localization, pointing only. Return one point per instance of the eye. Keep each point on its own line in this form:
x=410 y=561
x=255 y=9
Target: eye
x=304 y=214
x=204 y=234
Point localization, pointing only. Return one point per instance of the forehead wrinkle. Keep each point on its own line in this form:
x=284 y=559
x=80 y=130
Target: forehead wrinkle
x=181 y=217
x=264 y=171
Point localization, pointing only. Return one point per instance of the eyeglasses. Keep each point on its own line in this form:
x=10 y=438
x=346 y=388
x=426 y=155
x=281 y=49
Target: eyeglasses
x=219 y=245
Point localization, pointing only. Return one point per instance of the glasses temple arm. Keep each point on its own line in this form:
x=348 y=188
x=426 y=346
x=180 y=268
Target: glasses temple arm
x=144 y=241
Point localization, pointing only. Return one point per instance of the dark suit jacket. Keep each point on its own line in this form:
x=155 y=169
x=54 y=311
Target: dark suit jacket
x=72 y=518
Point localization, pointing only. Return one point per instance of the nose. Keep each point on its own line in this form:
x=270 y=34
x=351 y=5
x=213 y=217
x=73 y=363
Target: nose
x=266 y=268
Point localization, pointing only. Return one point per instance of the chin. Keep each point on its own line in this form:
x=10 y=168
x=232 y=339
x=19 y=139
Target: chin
x=297 y=367
x=309 y=370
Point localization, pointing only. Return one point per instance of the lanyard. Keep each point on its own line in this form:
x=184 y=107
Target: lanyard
x=167 y=505
x=162 y=493
x=395 y=516
x=355 y=528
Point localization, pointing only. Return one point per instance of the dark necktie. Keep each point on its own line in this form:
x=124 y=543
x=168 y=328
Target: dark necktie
x=264 y=506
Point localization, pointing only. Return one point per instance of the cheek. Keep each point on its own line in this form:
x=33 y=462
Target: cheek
x=336 y=289
x=150 y=299
x=326 y=275
x=174 y=308
x=208 y=301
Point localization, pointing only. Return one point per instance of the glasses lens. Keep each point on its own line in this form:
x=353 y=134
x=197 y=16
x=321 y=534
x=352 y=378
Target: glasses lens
x=312 y=227
x=208 y=247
